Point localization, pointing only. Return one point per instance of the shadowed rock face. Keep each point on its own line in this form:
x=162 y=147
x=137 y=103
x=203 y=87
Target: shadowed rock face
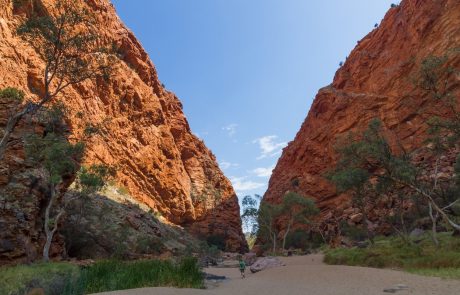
x=160 y=162
x=376 y=81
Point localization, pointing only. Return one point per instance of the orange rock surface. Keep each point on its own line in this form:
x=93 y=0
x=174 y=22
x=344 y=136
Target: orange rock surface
x=158 y=159
x=376 y=81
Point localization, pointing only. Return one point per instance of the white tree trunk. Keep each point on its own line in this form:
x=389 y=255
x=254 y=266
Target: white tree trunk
x=286 y=233
x=50 y=232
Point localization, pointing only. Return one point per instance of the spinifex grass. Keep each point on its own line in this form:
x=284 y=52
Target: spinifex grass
x=422 y=257
x=111 y=275
x=118 y=275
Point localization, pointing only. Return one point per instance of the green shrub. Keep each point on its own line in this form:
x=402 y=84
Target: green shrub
x=395 y=253
x=118 y=275
x=12 y=93
x=216 y=240
x=353 y=232
x=456 y=209
x=298 y=239
x=304 y=240
x=52 y=277
x=149 y=245
x=123 y=191
x=68 y=279
x=19 y=3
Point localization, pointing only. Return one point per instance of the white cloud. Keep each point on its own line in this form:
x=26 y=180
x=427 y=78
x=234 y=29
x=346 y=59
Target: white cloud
x=263 y=172
x=269 y=146
x=231 y=129
x=241 y=184
x=227 y=165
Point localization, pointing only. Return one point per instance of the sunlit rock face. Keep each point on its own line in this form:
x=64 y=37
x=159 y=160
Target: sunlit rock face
x=159 y=161
x=375 y=81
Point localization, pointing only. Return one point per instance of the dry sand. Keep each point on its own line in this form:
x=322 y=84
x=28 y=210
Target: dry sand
x=307 y=275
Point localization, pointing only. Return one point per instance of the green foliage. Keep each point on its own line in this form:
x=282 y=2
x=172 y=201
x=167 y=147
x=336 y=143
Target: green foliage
x=297 y=207
x=266 y=218
x=149 y=245
x=69 y=279
x=68 y=42
x=12 y=93
x=298 y=239
x=52 y=277
x=394 y=253
x=369 y=155
x=94 y=178
x=53 y=118
x=59 y=157
x=91 y=129
x=249 y=214
x=352 y=231
x=217 y=241
x=445 y=273
x=431 y=73
x=117 y=275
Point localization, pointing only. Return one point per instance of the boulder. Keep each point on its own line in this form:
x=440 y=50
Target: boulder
x=266 y=263
x=250 y=258
x=417 y=233
x=356 y=218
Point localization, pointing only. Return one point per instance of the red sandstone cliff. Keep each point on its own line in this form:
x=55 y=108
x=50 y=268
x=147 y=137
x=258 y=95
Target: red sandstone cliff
x=160 y=162
x=376 y=81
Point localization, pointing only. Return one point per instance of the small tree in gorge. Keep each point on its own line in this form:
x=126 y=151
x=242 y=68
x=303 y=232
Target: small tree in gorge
x=249 y=216
x=266 y=220
x=68 y=43
x=296 y=208
x=60 y=160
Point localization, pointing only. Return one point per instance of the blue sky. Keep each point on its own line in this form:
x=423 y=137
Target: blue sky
x=247 y=71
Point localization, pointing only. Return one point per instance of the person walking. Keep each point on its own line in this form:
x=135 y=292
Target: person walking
x=242 y=265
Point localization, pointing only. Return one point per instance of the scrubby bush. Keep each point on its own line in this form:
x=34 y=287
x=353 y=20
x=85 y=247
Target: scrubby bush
x=51 y=277
x=394 y=253
x=117 y=275
x=103 y=276
x=12 y=93
x=298 y=239
x=217 y=241
x=353 y=232
x=149 y=245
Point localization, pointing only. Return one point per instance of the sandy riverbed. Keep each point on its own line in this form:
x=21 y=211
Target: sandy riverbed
x=307 y=275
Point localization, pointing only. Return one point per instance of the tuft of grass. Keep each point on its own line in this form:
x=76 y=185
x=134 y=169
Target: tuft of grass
x=422 y=257
x=12 y=93
x=52 y=277
x=68 y=279
x=121 y=275
x=446 y=273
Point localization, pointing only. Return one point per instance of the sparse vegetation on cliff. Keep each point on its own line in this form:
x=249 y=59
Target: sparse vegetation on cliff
x=371 y=167
x=71 y=56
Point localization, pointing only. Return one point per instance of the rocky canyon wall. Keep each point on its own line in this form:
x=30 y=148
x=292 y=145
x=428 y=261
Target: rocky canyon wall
x=147 y=137
x=376 y=81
